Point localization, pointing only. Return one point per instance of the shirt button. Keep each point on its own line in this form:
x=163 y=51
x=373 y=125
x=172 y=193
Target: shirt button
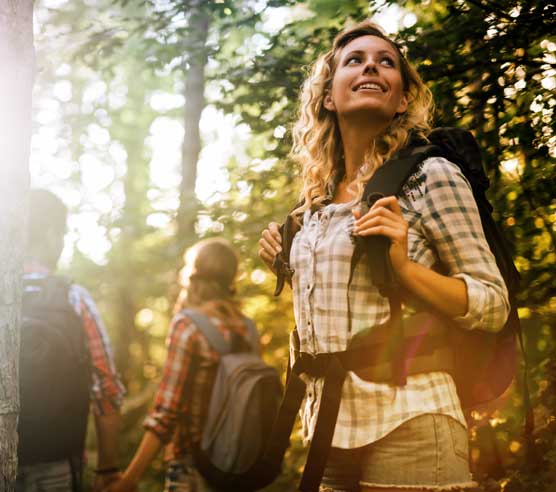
x=308 y=286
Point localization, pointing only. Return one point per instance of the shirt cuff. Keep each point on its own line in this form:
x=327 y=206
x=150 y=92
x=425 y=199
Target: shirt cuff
x=107 y=406
x=151 y=423
x=476 y=303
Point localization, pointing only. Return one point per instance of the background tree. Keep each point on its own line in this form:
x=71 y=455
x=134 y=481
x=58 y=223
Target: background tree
x=16 y=53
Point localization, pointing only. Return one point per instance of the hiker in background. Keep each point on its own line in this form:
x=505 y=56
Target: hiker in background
x=361 y=103
x=182 y=401
x=66 y=364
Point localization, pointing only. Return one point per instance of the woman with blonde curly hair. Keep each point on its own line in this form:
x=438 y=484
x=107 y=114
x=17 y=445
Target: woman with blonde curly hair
x=361 y=104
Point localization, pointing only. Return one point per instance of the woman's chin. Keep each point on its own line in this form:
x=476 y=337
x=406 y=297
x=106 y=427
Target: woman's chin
x=368 y=111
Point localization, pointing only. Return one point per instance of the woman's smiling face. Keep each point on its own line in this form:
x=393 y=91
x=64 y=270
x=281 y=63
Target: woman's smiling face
x=367 y=79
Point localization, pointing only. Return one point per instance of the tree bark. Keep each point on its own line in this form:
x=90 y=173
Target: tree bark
x=196 y=60
x=17 y=55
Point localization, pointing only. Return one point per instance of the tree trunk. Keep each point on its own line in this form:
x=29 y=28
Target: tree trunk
x=17 y=55
x=196 y=59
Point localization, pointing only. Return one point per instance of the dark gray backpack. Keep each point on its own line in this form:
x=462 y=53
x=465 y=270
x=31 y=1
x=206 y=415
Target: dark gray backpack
x=244 y=402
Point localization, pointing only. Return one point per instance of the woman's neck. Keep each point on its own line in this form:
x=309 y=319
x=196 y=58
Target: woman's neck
x=357 y=137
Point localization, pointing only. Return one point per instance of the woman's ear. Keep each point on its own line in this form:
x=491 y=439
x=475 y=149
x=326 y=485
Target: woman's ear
x=328 y=102
x=404 y=103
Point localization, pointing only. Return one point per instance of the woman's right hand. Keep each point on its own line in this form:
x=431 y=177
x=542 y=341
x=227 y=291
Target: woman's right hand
x=270 y=244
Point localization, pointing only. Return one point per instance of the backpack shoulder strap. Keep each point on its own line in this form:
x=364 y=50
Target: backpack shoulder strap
x=51 y=291
x=253 y=334
x=460 y=147
x=59 y=288
x=388 y=180
x=207 y=328
x=288 y=230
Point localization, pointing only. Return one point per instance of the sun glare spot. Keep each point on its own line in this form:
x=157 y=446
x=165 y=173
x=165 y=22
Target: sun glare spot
x=95 y=173
x=158 y=220
x=409 y=20
x=62 y=90
x=258 y=276
x=510 y=166
x=165 y=101
x=549 y=83
x=389 y=18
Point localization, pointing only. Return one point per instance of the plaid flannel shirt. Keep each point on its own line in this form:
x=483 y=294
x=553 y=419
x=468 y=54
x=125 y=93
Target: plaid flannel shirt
x=183 y=396
x=107 y=390
x=444 y=231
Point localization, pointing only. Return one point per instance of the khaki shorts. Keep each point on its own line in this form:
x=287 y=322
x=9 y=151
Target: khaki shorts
x=429 y=452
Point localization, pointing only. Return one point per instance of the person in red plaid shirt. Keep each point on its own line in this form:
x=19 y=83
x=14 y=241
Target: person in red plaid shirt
x=45 y=239
x=181 y=403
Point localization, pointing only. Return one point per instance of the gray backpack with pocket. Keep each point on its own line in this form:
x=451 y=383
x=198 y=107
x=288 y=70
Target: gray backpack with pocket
x=244 y=402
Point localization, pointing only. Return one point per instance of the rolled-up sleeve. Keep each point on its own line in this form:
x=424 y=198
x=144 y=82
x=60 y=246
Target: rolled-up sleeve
x=107 y=390
x=452 y=225
x=178 y=372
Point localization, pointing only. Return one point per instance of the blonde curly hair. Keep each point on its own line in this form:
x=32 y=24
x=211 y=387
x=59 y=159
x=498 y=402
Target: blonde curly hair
x=317 y=144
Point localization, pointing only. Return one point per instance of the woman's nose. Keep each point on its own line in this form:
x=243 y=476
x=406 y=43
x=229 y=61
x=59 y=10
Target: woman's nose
x=370 y=65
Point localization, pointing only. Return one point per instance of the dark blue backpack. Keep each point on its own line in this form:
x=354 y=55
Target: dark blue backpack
x=54 y=374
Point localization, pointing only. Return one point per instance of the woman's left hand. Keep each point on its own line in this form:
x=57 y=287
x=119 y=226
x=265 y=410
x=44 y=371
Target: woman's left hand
x=385 y=219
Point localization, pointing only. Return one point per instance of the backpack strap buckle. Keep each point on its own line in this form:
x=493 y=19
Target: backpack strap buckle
x=372 y=198
x=284 y=272
x=316 y=365
x=288 y=271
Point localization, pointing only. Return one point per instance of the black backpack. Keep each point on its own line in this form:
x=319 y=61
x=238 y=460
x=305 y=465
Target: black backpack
x=484 y=364
x=54 y=375
x=244 y=402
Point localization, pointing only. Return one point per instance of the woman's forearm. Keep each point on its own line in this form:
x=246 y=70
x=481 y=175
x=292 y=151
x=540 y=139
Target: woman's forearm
x=446 y=294
x=147 y=451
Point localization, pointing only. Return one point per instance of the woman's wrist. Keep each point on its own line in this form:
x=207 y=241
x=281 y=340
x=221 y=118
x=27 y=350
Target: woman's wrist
x=130 y=479
x=404 y=273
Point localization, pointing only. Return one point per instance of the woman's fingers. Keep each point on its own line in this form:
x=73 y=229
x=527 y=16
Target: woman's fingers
x=272 y=236
x=266 y=249
x=393 y=233
x=382 y=225
x=378 y=212
x=270 y=243
x=269 y=260
x=390 y=202
x=384 y=218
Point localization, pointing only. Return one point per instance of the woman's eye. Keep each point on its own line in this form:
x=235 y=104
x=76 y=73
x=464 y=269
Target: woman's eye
x=352 y=60
x=388 y=61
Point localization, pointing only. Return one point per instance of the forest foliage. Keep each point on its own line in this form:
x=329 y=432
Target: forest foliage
x=110 y=112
